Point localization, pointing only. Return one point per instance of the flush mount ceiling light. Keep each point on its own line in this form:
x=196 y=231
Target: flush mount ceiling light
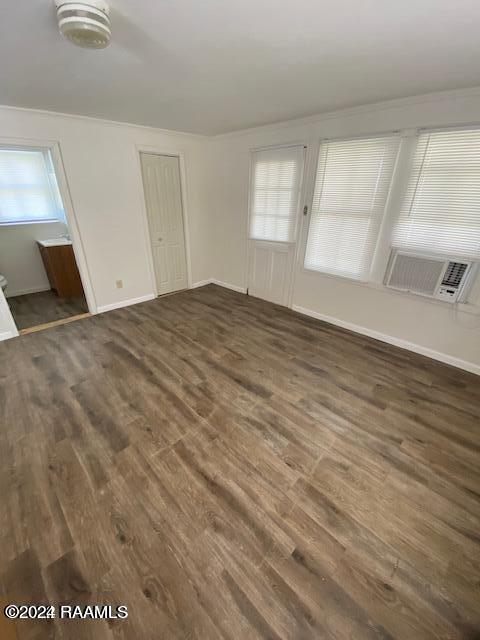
x=86 y=24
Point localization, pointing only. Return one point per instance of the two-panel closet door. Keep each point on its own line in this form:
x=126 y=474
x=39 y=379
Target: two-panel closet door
x=163 y=197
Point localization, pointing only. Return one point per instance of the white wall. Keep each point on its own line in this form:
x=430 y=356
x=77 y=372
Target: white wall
x=100 y=159
x=102 y=169
x=20 y=260
x=432 y=326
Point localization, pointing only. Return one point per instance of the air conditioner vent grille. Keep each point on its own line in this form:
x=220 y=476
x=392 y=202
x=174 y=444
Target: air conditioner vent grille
x=417 y=274
x=454 y=274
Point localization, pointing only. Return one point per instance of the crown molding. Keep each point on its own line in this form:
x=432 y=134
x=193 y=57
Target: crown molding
x=115 y=123
x=395 y=103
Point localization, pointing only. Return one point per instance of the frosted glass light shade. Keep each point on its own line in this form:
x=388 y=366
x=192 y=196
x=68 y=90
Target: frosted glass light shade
x=86 y=24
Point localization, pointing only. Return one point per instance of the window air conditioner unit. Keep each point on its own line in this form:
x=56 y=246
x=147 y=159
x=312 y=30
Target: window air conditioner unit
x=429 y=275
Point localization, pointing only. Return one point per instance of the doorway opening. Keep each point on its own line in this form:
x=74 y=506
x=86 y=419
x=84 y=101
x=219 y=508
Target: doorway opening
x=39 y=275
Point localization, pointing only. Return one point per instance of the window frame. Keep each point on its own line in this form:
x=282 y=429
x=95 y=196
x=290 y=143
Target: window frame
x=379 y=262
x=402 y=187
x=53 y=182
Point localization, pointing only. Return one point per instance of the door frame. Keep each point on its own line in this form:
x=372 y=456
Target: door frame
x=65 y=194
x=306 y=144
x=180 y=155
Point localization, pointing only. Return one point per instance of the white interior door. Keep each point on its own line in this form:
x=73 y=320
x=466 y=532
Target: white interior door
x=163 y=196
x=276 y=184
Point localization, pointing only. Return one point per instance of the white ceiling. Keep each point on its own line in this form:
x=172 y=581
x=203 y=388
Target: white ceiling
x=212 y=66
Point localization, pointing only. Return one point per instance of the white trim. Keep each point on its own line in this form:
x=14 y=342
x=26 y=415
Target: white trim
x=24 y=292
x=353 y=111
x=454 y=127
x=145 y=229
x=201 y=283
x=284 y=145
x=388 y=133
x=116 y=123
x=227 y=285
x=319 y=117
x=21 y=223
x=397 y=342
x=125 y=303
x=247 y=250
x=73 y=229
x=310 y=174
x=186 y=213
x=180 y=155
x=219 y=283
x=6 y=319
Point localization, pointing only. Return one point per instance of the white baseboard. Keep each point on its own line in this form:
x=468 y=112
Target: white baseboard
x=201 y=283
x=397 y=342
x=125 y=303
x=219 y=283
x=24 y=292
x=226 y=285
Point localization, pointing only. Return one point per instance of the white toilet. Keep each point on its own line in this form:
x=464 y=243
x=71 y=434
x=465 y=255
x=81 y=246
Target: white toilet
x=3 y=283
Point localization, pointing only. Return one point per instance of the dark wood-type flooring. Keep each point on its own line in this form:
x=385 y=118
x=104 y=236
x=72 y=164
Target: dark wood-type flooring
x=34 y=309
x=227 y=468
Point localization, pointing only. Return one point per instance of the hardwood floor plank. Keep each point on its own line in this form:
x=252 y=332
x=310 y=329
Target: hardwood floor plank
x=34 y=309
x=229 y=469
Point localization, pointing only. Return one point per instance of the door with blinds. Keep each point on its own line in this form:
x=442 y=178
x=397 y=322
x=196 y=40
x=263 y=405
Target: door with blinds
x=163 y=197
x=276 y=184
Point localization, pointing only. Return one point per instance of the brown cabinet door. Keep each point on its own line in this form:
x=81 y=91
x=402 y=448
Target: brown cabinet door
x=62 y=270
x=47 y=263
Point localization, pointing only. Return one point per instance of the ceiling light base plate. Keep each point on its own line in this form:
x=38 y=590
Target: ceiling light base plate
x=101 y=5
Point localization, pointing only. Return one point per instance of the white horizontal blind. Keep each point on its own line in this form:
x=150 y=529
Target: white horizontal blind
x=28 y=190
x=441 y=207
x=351 y=189
x=276 y=183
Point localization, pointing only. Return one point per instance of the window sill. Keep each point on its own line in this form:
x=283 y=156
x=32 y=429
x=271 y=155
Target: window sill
x=292 y=242
x=334 y=275
x=464 y=307
x=30 y=222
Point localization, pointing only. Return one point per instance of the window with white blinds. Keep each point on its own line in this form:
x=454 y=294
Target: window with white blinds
x=441 y=207
x=276 y=182
x=28 y=188
x=351 y=188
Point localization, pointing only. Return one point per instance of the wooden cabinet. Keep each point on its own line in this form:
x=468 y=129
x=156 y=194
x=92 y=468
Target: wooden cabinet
x=62 y=270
